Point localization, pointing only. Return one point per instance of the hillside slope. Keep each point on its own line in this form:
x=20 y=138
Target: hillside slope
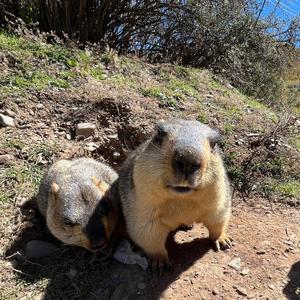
x=49 y=89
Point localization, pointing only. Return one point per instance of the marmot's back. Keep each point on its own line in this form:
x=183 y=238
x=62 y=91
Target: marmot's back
x=72 y=199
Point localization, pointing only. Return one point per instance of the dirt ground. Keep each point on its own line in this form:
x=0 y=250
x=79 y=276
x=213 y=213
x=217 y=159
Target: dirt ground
x=266 y=240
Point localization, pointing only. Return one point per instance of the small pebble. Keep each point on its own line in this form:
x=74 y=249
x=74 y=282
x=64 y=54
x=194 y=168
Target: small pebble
x=39 y=106
x=85 y=129
x=5 y=159
x=235 y=263
x=242 y=291
x=271 y=286
x=215 y=291
x=6 y=121
x=245 y=272
x=10 y=113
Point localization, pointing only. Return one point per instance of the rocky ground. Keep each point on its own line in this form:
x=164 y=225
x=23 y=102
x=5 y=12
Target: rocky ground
x=47 y=92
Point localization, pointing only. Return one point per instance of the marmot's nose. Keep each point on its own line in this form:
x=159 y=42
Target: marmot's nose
x=186 y=162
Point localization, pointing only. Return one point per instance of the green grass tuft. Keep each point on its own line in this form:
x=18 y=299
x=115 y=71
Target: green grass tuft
x=289 y=189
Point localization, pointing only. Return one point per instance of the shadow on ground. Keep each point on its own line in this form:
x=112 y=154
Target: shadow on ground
x=74 y=273
x=292 y=289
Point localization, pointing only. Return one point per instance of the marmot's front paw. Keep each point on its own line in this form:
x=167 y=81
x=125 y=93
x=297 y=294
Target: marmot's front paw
x=223 y=242
x=159 y=263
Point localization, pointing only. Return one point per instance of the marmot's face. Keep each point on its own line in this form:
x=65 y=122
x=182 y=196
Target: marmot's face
x=185 y=149
x=87 y=220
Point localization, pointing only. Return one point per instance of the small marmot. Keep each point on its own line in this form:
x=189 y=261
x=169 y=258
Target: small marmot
x=73 y=197
x=176 y=177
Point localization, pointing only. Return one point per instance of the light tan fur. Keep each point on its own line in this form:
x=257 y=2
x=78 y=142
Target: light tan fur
x=152 y=210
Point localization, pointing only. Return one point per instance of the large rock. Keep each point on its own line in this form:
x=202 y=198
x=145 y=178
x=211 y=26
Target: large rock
x=6 y=121
x=37 y=249
x=85 y=129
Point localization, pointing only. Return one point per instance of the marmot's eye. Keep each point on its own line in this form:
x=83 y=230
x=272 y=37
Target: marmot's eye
x=105 y=208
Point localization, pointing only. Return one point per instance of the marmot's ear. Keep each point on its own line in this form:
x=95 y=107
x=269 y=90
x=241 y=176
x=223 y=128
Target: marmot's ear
x=214 y=138
x=54 y=188
x=102 y=185
x=161 y=132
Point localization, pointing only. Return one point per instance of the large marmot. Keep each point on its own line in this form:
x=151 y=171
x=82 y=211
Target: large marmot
x=176 y=177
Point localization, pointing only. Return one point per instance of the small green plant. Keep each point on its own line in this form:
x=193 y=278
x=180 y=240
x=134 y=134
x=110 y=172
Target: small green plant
x=290 y=188
x=161 y=94
x=203 y=118
x=17 y=144
x=97 y=73
x=154 y=92
x=43 y=152
x=182 y=88
x=232 y=111
x=109 y=57
x=228 y=128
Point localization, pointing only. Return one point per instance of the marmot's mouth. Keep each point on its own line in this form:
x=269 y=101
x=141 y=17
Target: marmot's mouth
x=181 y=189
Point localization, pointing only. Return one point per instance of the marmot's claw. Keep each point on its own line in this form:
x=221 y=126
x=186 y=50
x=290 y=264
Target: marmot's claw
x=223 y=242
x=160 y=264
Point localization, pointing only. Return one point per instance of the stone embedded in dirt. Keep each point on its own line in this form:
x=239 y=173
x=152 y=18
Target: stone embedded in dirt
x=85 y=129
x=240 y=142
x=235 y=263
x=261 y=251
x=271 y=286
x=113 y=136
x=39 y=106
x=209 y=96
x=5 y=159
x=37 y=249
x=6 y=121
x=68 y=136
x=10 y=113
x=297 y=123
x=41 y=125
x=126 y=255
x=91 y=146
x=242 y=291
x=245 y=272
